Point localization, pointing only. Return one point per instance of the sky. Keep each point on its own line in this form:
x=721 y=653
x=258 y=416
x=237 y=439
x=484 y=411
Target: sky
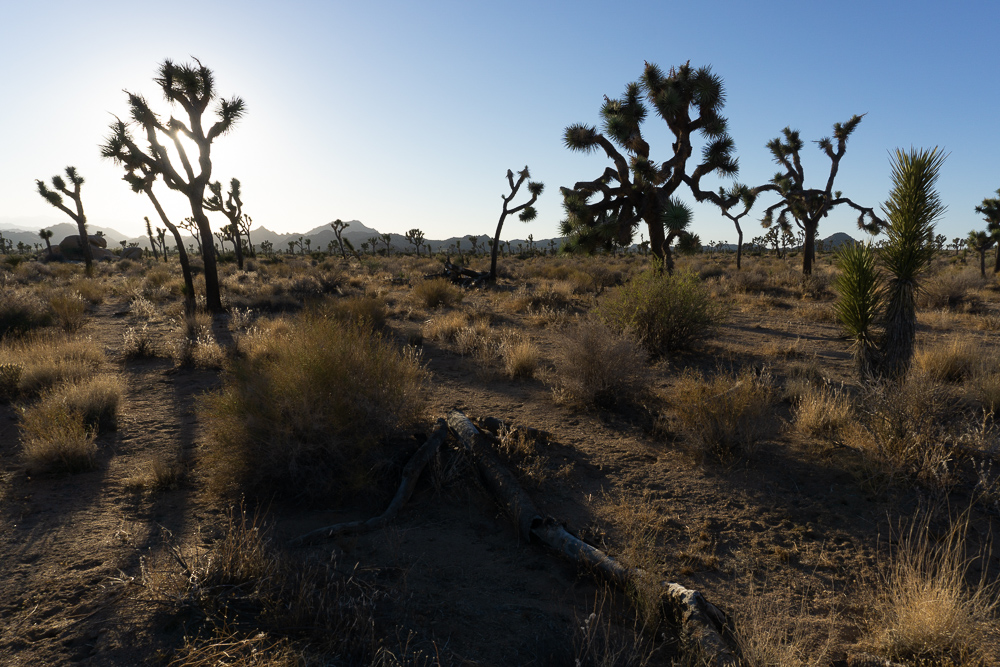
x=407 y=115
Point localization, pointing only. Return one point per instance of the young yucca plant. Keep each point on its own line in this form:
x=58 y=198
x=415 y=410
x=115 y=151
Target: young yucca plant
x=871 y=296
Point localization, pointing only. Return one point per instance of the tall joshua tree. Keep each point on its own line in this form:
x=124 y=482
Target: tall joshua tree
x=873 y=295
x=54 y=197
x=232 y=208
x=746 y=196
x=990 y=209
x=807 y=206
x=526 y=211
x=415 y=237
x=639 y=189
x=339 y=226
x=980 y=242
x=192 y=88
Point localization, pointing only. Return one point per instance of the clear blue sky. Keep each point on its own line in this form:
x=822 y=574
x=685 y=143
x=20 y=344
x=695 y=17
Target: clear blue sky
x=403 y=114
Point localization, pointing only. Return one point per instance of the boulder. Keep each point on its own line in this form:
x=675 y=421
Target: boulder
x=133 y=252
x=70 y=248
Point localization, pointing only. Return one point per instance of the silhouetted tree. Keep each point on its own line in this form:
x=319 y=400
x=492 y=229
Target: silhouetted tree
x=639 y=189
x=232 y=208
x=415 y=237
x=526 y=211
x=980 y=242
x=339 y=226
x=46 y=235
x=746 y=196
x=152 y=239
x=990 y=210
x=55 y=198
x=192 y=87
x=807 y=206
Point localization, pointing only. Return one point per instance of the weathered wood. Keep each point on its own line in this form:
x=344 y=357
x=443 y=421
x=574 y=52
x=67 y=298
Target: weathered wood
x=701 y=623
x=411 y=473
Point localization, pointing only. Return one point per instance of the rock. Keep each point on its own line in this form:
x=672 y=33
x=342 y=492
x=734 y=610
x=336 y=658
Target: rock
x=133 y=252
x=70 y=248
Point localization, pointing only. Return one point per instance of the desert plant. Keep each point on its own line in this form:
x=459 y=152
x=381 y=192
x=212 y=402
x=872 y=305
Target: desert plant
x=305 y=401
x=518 y=355
x=727 y=415
x=56 y=439
x=928 y=612
x=69 y=309
x=232 y=208
x=807 y=206
x=55 y=198
x=193 y=88
x=665 y=313
x=822 y=410
x=990 y=209
x=47 y=361
x=437 y=292
x=878 y=306
x=95 y=399
x=953 y=362
x=644 y=190
x=599 y=367
x=526 y=211
x=22 y=312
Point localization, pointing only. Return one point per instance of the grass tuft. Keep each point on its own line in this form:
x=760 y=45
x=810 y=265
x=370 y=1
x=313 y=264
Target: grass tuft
x=600 y=368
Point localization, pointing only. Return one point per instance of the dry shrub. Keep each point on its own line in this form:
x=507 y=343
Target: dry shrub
x=902 y=434
x=89 y=289
x=927 y=612
x=305 y=401
x=951 y=362
x=605 y=639
x=96 y=399
x=518 y=355
x=156 y=474
x=769 y=636
x=368 y=309
x=55 y=439
x=21 y=312
x=816 y=311
x=727 y=415
x=445 y=327
x=137 y=343
x=10 y=378
x=822 y=411
x=229 y=648
x=196 y=324
x=49 y=361
x=665 y=313
x=70 y=310
x=949 y=290
x=984 y=388
x=437 y=292
x=201 y=352
x=599 y=367
x=750 y=280
x=143 y=308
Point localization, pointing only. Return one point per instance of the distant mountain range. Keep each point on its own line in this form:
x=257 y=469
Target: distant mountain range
x=319 y=238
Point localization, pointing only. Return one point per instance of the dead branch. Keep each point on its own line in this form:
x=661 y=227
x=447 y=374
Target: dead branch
x=411 y=473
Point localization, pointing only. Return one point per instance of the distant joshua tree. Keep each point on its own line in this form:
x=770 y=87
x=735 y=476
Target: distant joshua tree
x=387 y=239
x=152 y=239
x=46 y=235
x=232 y=208
x=990 y=209
x=55 y=198
x=980 y=242
x=415 y=237
x=526 y=211
x=192 y=87
x=339 y=226
x=807 y=206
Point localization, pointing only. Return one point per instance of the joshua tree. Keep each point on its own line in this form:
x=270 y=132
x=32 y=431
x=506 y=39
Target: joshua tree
x=373 y=242
x=526 y=211
x=191 y=227
x=232 y=208
x=807 y=206
x=871 y=295
x=980 y=242
x=746 y=196
x=152 y=239
x=338 y=229
x=639 y=189
x=46 y=235
x=192 y=87
x=990 y=209
x=415 y=237
x=55 y=198
x=387 y=239
x=160 y=235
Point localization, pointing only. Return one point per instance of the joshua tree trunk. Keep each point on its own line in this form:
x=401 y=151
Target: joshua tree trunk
x=189 y=300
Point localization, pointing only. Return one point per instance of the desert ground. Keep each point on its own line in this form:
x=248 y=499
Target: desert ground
x=158 y=466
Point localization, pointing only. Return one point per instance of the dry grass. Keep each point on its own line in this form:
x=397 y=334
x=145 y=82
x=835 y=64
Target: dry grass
x=950 y=362
x=56 y=439
x=445 y=326
x=928 y=612
x=21 y=312
x=70 y=310
x=156 y=474
x=518 y=355
x=96 y=399
x=138 y=343
x=822 y=411
x=768 y=635
x=303 y=402
x=50 y=360
x=598 y=367
x=727 y=415
x=437 y=292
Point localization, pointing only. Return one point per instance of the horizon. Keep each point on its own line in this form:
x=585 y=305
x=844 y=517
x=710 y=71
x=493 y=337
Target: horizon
x=477 y=90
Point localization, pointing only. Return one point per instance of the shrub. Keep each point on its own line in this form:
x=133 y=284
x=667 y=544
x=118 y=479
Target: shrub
x=69 y=309
x=519 y=355
x=666 y=313
x=927 y=612
x=437 y=292
x=599 y=367
x=21 y=312
x=727 y=415
x=55 y=439
x=48 y=361
x=138 y=343
x=949 y=363
x=446 y=326
x=369 y=309
x=305 y=401
x=822 y=411
x=95 y=399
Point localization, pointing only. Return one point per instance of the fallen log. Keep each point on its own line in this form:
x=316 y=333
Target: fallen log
x=411 y=473
x=701 y=623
